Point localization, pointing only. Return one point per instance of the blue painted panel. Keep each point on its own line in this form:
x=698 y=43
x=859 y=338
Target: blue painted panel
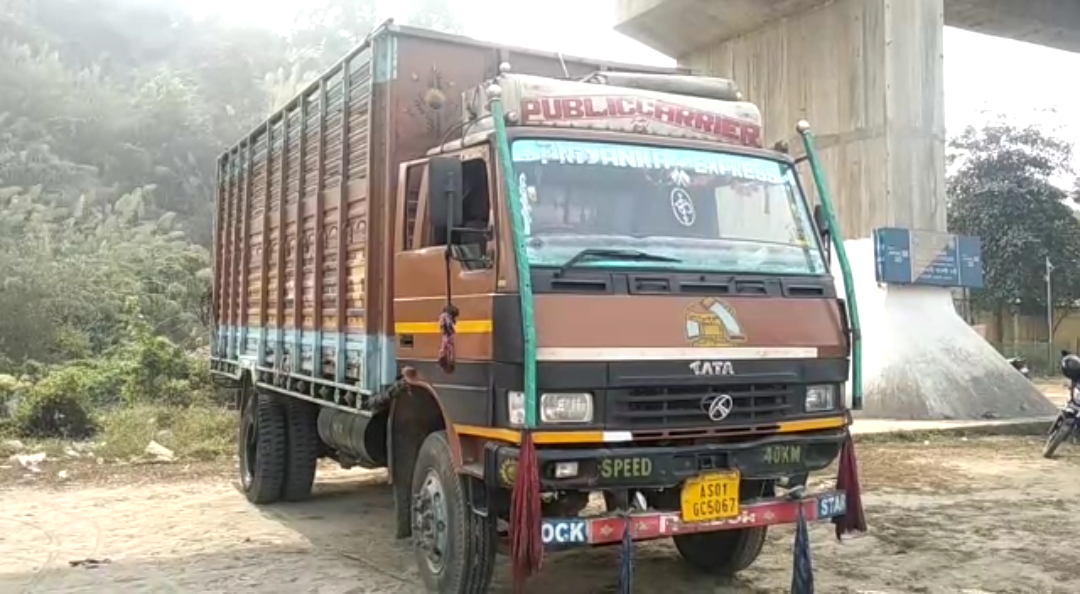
x=369 y=361
x=908 y=257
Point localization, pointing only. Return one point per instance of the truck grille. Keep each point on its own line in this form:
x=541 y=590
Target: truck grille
x=681 y=407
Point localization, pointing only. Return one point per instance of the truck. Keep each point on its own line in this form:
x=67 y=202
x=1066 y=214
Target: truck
x=564 y=302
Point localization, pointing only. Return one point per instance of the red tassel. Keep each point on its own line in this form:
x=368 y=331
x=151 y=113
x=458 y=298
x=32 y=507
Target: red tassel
x=448 y=328
x=526 y=545
x=847 y=480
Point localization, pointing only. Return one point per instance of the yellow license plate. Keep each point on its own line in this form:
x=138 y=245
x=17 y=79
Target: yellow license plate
x=713 y=496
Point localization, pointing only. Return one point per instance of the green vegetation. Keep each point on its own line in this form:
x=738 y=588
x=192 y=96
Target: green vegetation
x=112 y=114
x=1003 y=190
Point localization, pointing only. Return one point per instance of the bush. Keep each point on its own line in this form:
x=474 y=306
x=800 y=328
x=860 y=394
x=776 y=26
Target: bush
x=57 y=401
x=12 y=390
x=196 y=433
x=54 y=408
x=156 y=370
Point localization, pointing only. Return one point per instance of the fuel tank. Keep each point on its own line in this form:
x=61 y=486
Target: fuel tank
x=360 y=438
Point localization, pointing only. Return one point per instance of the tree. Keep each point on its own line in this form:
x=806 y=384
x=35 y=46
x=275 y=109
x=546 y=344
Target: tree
x=112 y=116
x=325 y=30
x=109 y=127
x=434 y=14
x=1002 y=191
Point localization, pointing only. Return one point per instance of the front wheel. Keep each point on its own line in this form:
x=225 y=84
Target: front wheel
x=723 y=553
x=1060 y=430
x=455 y=547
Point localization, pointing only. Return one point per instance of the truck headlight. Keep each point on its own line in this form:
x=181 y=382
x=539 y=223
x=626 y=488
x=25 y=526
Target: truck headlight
x=555 y=408
x=566 y=408
x=820 y=398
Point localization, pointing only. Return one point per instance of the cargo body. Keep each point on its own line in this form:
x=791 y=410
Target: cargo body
x=305 y=205
x=370 y=305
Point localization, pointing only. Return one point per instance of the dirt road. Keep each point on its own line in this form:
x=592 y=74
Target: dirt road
x=947 y=516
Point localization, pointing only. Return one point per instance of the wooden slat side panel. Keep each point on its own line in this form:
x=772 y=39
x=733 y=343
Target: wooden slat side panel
x=308 y=200
x=256 y=209
x=221 y=260
x=353 y=291
x=220 y=226
x=321 y=239
x=244 y=246
x=273 y=226
x=303 y=242
x=292 y=228
x=359 y=116
x=332 y=138
x=236 y=249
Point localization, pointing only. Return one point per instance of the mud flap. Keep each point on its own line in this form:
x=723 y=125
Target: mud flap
x=400 y=479
x=479 y=495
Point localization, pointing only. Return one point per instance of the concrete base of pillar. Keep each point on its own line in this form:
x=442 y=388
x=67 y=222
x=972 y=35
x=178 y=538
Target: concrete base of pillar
x=922 y=361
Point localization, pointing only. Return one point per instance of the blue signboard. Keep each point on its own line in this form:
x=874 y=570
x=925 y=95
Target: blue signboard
x=908 y=257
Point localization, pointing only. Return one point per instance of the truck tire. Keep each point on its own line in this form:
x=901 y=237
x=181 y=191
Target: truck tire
x=455 y=547
x=723 y=553
x=262 y=447
x=302 y=454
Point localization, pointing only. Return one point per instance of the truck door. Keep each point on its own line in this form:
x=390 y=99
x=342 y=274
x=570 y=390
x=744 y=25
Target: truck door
x=431 y=272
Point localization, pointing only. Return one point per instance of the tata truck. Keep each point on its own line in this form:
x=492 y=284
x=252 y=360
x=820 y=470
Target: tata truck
x=679 y=365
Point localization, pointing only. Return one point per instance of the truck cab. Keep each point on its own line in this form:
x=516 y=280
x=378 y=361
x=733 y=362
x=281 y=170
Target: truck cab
x=691 y=355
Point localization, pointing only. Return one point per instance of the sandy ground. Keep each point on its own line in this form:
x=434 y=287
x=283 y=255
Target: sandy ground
x=947 y=515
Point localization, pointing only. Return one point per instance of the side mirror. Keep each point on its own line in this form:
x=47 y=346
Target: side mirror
x=822 y=224
x=445 y=198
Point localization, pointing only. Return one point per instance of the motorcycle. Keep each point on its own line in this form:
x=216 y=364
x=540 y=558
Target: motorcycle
x=1020 y=364
x=1065 y=424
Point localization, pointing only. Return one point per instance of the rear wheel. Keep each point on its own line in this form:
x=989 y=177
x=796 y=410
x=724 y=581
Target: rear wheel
x=455 y=547
x=262 y=448
x=302 y=454
x=722 y=553
x=1058 y=432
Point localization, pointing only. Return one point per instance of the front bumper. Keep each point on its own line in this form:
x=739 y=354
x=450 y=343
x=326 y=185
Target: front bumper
x=665 y=467
x=563 y=533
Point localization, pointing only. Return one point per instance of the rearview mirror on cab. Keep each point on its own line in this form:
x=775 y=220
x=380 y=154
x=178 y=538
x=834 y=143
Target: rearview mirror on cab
x=444 y=195
x=822 y=223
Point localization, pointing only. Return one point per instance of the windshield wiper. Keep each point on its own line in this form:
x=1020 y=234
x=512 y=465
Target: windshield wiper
x=611 y=254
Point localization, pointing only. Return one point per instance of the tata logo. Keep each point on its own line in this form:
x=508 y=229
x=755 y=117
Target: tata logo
x=717 y=406
x=682 y=206
x=563 y=532
x=711 y=368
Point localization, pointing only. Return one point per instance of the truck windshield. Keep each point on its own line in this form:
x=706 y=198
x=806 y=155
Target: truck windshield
x=693 y=209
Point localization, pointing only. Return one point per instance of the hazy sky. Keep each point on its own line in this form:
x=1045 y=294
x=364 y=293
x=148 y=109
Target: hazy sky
x=982 y=74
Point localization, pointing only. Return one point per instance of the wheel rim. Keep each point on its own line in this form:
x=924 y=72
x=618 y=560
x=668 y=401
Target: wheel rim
x=430 y=531
x=250 y=439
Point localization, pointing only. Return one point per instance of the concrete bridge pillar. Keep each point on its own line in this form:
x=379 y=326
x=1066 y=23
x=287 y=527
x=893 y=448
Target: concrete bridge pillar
x=869 y=77
x=867 y=74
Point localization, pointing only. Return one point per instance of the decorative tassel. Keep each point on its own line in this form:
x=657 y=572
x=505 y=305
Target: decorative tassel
x=626 y=566
x=847 y=480
x=447 y=327
x=526 y=544
x=802 y=566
